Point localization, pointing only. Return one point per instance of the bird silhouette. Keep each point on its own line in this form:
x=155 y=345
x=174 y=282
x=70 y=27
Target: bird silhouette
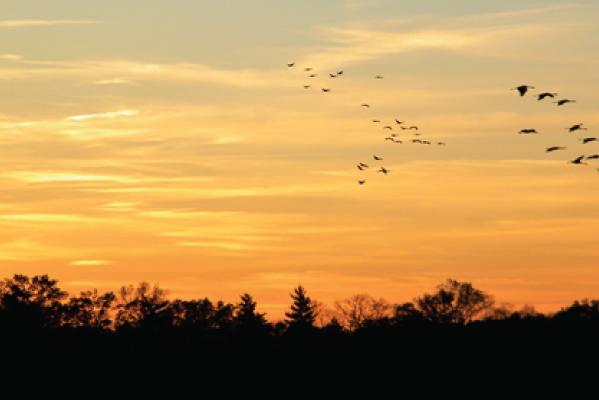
x=384 y=170
x=564 y=102
x=390 y=138
x=577 y=127
x=378 y=77
x=307 y=86
x=413 y=127
x=377 y=158
x=332 y=75
x=290 y=65
x=578 y=160
x=523 y=89
x=588 y=140
x=543 y=96
x=398 y=122
x=554 y=148
x=388 y=127
x=363 y=165
x=527 y=131
x=325 y=90
x=312 y=75
x=361 y=181
x=441 y=144
x=340 y=72
x=308 y=69
x=365 y=105
x=376 y=120
x=593 y=157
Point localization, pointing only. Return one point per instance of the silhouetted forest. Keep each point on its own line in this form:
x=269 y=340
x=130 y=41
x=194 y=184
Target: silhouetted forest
x=456 y=320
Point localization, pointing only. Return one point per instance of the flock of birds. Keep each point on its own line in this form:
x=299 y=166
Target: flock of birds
x=392 y=127
x=395 y=125
x=577 y=127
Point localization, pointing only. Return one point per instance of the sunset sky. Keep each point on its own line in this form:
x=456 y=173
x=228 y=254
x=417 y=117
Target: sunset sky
x=167 y=141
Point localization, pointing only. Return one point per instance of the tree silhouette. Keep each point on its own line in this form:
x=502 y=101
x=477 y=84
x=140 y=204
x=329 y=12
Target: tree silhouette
x=143 y=307
x=90 y=310
x=454 y=303
x=357 y=310
x=31 y=303
x=301 y=314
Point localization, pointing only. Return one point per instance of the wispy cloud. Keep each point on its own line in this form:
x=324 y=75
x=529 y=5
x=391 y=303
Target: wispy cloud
x=27 y=23
x=105 y=115
x=90 y=263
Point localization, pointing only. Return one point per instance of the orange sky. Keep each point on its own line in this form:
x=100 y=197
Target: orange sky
x=172 y=144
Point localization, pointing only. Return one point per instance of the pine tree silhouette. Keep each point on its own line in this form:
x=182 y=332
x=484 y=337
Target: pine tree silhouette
x=246 y=315
x=302 y=311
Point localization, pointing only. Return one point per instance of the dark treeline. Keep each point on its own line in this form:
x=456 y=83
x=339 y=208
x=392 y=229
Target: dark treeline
x=37 y=314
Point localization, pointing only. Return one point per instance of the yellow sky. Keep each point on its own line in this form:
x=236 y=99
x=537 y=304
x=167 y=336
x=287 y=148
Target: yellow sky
x=170 y=143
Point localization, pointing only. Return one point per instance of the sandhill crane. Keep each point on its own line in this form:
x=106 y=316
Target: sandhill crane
x=307 y=86
x=522 y=89
x=291 y=65
x=544 y=95
x=361 y=167
x=441 y=144
x=376 y=120
x=577 y=127
x=554 y=148
x=588 y=140
x=388 y=127
x=413 y=127
x=564 y=101
x=527 y=131
x=377 y=158
x=361 y=181
x=325 y=90
x=378 y=77
x=332 y=75
x=365 y=105
x=593 y=157
x=384 y=170
x=312 y=75
x=340 y=72
x=398 y=122
x=578 y=160
x=308 y=69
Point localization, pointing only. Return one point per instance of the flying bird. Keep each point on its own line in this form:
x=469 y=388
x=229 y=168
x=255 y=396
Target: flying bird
x=554 y=148
x=384 y=170
x=376 y=120
x=325 y=90
x=527 y=131
x=307 y=86
x=523 y=89
x=377 y=158
x=413 y=127
x=543 y=96
x=332 y=75
x=576 y=127
x=363 y=165
x=361 y=181
x=340 y=73
x=564 y=101
x=588 y=139
x=308 y=69
x=441 y=143
x=388 y=127
x=365 y=105
x=593 y=157
x=290 y=65
x=398 y=122
x=378 y=77
x=312 y=76
x=578 y=160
